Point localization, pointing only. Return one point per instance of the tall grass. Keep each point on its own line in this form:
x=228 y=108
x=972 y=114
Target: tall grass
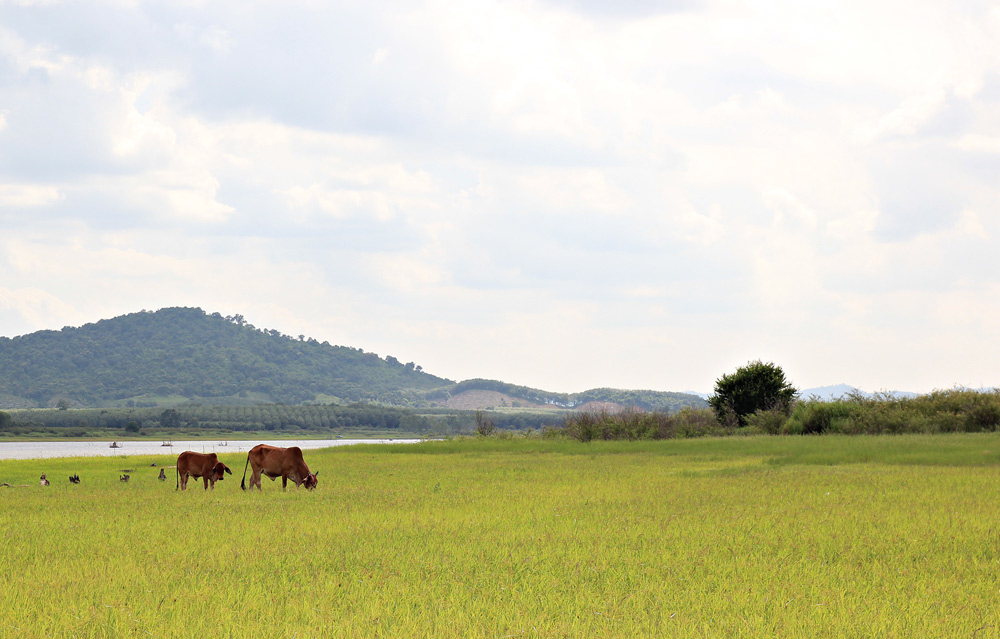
x=732 y=537
x=938 y=412
x=632 y=424
x=948 y=411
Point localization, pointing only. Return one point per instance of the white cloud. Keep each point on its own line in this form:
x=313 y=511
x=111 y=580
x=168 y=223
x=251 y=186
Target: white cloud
x=381 y=55
x=24 y=310
x=28 y=195
x=906 y=119
x=519 y=190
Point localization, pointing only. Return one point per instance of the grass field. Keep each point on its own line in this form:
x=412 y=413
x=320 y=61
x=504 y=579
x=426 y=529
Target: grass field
x=737 y=537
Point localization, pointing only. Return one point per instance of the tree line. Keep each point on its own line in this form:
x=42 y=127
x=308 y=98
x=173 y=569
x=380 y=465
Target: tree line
x=257 y=418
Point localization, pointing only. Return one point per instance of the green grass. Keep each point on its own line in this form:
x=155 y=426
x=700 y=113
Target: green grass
x=734 y=537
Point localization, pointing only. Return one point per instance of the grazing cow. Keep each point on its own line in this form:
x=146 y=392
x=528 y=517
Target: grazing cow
x=207 y=466
x=275 y=462
x=43 y=482
x=74 y=478
x=163 y=475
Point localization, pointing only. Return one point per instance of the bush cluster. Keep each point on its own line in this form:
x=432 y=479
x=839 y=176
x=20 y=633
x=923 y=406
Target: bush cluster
x=938 y=412
x=946 y=411
x=634 y=424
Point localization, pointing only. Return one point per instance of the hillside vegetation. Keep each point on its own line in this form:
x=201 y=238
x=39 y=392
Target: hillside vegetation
x=188 y=354
x=178 y=356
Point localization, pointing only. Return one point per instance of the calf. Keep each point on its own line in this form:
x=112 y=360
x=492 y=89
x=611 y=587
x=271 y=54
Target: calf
x=206 y=466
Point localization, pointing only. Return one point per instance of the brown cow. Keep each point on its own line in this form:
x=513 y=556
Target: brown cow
x=206 y=466
x=275 y=462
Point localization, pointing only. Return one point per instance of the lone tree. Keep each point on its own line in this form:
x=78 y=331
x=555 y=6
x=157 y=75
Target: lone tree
x=756 y=386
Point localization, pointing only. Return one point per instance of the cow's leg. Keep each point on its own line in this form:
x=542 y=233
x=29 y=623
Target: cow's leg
x=205 y=479
x=255 y=479
x=284 y=482
x=184 y=481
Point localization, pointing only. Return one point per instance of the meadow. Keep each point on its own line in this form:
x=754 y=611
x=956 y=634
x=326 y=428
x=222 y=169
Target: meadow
x=824 y=536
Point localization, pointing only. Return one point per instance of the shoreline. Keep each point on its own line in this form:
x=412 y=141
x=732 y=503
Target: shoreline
x=149 y=448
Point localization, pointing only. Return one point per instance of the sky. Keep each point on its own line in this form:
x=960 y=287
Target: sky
x=561 y=194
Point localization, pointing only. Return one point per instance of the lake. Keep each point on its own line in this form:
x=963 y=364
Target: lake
x=44 y=450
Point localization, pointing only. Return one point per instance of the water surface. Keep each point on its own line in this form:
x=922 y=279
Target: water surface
x=44 y=450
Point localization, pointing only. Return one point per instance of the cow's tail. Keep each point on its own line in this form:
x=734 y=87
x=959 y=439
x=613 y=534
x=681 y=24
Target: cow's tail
x=243 y=482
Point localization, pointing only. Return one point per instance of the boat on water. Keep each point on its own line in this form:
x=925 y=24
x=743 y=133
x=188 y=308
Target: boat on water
x=115 y=445
x=167 y=443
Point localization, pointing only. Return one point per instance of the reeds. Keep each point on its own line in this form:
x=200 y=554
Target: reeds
x=950 y=411
x=632 y=424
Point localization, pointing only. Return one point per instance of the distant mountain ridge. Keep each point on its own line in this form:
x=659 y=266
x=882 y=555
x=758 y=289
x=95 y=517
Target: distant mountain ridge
x=839 y=391
x=184 y=355
x=831 y=393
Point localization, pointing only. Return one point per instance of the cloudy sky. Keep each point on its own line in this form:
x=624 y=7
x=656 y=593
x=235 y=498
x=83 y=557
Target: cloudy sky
x=562 y=194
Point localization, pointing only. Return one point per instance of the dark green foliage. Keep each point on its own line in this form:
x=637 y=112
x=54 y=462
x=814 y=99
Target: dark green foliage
x=170 y=418
x=758 y=386
x=188 y=353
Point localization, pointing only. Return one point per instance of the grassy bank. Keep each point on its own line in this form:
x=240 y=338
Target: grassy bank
x=732 y=537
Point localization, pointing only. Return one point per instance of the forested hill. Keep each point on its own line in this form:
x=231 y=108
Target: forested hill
x=178 y=354
x=183 y=355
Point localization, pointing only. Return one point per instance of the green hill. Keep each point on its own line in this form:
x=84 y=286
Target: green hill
x=178 y=354
x=183 y=355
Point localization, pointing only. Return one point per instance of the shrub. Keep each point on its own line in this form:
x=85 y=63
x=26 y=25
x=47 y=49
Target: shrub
x=768 y=422
x=754 y=387
x=635 y=424
x=485 y=426
x=815 y=417
x=938 y=412
x=698 y=422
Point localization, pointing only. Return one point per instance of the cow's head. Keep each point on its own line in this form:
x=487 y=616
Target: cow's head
x=218 y=470
x=310 y=481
